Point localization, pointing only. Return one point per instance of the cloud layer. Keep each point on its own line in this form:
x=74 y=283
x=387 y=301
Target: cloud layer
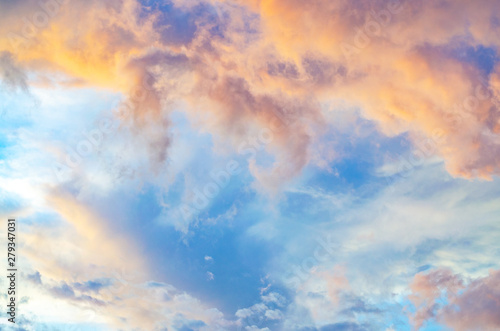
x=238 y=64
x=359 y=133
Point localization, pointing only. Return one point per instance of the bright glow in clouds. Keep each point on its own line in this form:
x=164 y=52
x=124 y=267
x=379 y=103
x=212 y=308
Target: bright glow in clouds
x=252 y=164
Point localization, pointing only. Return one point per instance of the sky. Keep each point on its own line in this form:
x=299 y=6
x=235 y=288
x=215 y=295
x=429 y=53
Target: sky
x=320 y=165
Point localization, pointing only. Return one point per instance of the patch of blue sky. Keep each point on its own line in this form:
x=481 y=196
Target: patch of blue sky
x=321 y=195
x=72 y=326
x=16 y=108
x=11 y=202
x=483 y=57
x=175 y=24
x=359 y=158
x=431 y=325
x=15 y=112
x=238 y=262
x=393 y=316
x=47 y=219
x=65 y=113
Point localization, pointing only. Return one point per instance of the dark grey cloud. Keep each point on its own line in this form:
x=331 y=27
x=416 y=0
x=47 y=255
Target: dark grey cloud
x=36 y=278
x=12 y=76
x=92 y=285
x=66 y=292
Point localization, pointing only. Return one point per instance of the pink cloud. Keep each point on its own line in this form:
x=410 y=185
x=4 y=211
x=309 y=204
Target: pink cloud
x=474 y=306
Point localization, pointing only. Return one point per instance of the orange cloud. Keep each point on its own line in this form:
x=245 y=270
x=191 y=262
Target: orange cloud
x=395 y=60
x=398 y=60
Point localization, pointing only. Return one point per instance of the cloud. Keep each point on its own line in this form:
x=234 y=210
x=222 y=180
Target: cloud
x=273 y=314
x=353 y=261
x=12 y=76
x=66 y=292
x=109 y=280
x=91 y=285
x=242 y=81
x=477 y=306
x=343 y=326
x=103 y=53
x=241 y=65
x=467 y=307
x=427 y=288
x=257 y=76
x=274 y=297
x=326 y=300
x=256 y=328
x=36 y=278
x=267 y=313
x=406 y=87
